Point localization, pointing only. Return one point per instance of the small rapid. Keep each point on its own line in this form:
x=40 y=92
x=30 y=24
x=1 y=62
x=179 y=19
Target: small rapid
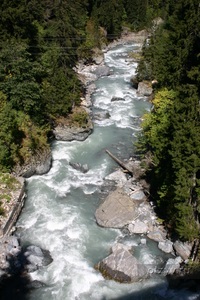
x=60 y=206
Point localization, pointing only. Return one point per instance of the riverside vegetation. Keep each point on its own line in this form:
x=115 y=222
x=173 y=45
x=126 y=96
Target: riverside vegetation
x=41 y=43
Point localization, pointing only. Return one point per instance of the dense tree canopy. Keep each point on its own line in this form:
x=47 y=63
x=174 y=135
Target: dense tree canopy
x=171 y=132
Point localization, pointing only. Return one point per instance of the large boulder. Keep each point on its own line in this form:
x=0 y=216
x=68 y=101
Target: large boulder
x=116 y=211
x=66 y=133
x=157 y=235
x=183 y=249
x=102 y=71
x=166 y=246
x=122 y=266
x=39 y=164
x=144 y=89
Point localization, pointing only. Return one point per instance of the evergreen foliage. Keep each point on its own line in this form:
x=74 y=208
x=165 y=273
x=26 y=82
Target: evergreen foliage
x=171 y=132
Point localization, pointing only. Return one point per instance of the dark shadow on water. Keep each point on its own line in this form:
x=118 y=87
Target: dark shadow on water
x=16 y=285
x=179 y=288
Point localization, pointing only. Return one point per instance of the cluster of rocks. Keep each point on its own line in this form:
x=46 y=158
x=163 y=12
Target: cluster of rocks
x=127 y=208
x=16 y=260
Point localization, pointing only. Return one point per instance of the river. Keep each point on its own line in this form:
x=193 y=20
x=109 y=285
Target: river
x=60 y=206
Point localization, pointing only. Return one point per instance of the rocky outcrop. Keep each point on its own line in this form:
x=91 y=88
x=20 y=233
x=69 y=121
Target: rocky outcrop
x=116 y=211
x=102 y=70
x=39 y=164
x=66 y=133
x=122 y=266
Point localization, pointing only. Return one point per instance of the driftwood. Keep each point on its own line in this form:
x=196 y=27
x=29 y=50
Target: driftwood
x=124 y=166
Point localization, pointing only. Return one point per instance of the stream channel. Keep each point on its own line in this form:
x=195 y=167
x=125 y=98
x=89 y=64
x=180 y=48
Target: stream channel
x=59 y=214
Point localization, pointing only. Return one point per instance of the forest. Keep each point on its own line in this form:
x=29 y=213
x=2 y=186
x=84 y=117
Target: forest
x=41 y=42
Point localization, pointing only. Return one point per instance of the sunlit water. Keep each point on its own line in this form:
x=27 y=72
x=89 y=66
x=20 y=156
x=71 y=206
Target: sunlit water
x=60 y=206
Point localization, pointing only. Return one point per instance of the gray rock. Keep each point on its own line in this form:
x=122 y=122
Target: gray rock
x=44 y=167
x=36 y=258
x=166 y=246
x=144 y=89
x=40 y=165
x=82 y=168
x=183 y=249
x=102 y=71
x=138 y=195
x=64 y=133
x=158 y=235
x=172 y=265
x=116 y=211
x=117 y=99
x=122 y=266
x=138 y=227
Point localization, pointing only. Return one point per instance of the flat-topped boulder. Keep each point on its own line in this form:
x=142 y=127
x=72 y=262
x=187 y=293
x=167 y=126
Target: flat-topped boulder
x=116 y=211
x=122 y=266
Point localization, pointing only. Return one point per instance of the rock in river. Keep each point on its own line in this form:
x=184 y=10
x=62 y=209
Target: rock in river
x=122 y=266
x=116 y=211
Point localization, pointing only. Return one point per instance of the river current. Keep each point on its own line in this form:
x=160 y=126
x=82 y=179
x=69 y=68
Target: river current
x=60 y=206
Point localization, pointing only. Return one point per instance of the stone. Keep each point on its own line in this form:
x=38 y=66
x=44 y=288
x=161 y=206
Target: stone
x=117 y=99
x=82 y=168
x=166 y=246
x=144 y=89
x=116 y=211
x=102 y=71
x=158 y=236
x=66 y=133
x=122 y=266
x=35 y=257
x=138 y=227
x=183 y=249
x=138 y=195
x=44 y=167
x=172 y=265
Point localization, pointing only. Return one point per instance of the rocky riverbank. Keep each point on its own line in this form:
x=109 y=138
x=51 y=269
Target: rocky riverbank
x=128 y=209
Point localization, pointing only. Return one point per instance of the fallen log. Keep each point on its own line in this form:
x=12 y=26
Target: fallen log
x=120 y=163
